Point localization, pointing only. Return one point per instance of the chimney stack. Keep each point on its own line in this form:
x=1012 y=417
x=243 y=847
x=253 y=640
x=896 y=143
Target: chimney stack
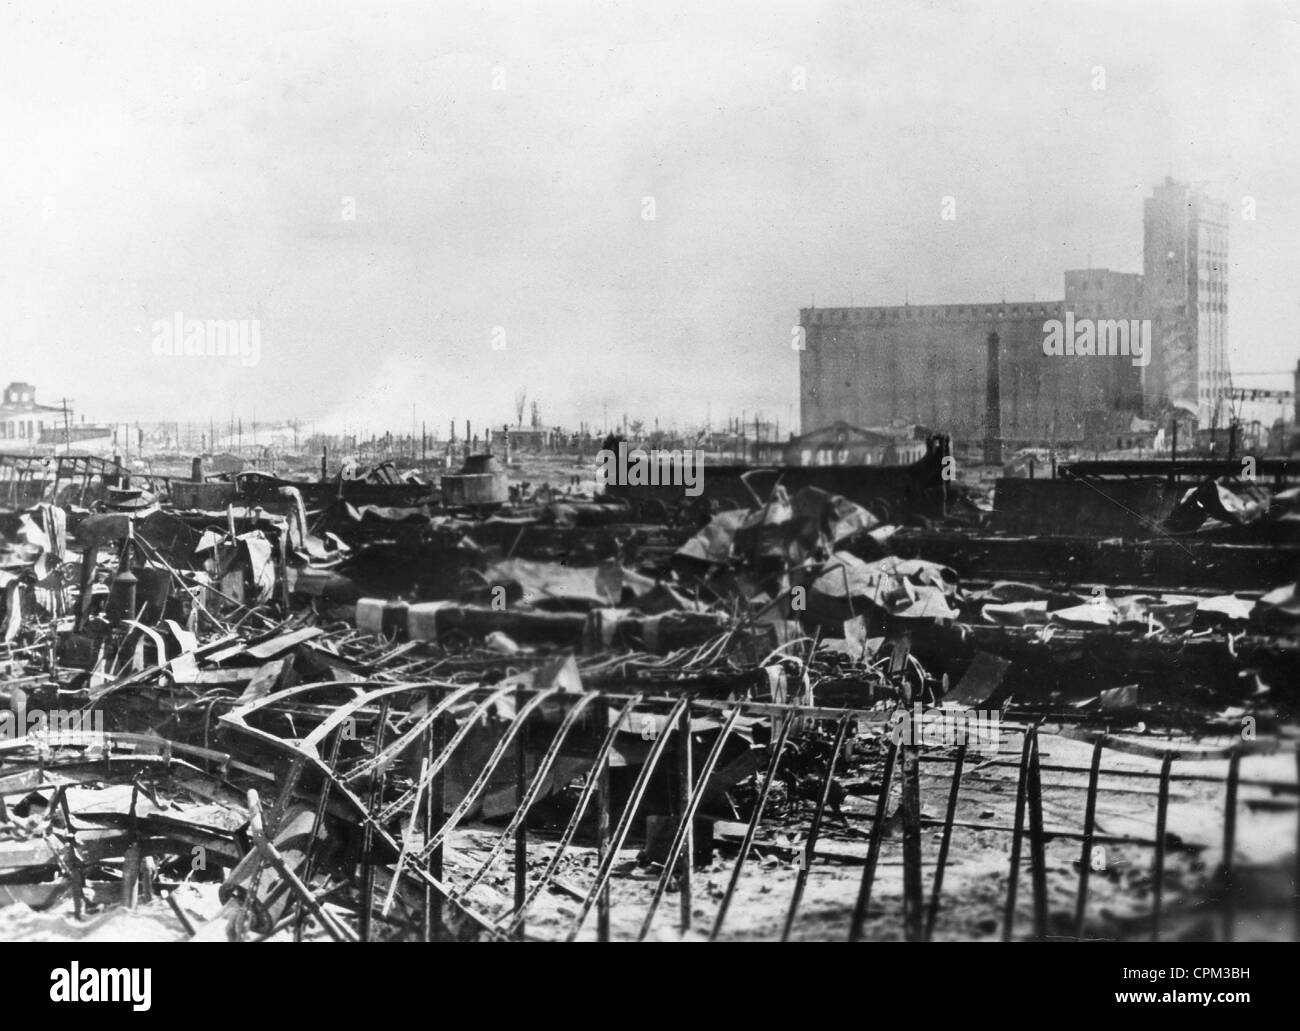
x=993 y=406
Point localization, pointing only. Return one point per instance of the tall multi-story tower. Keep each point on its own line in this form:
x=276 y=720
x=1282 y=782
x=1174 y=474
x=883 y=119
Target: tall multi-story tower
x=928 y=364
x=1185 y=288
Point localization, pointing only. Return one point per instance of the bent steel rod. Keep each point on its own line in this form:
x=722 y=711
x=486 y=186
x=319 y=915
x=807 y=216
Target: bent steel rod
x=624 y=826
x=1229 y=846
x=322 y=806
x=394 y=881
x=471 y=796
x=423 y=876
x=1037 y=844
x=685 y=787
x=1017 y=833
x=815 y=827
x=1158 y=877
x=368 y=835
x=1284 y=787
x=579 y=810
x=910 y=807
x=420 y=796
x=434 y=804
x=942 y=860
x=1089 y=823
x=534 y=789
x=462 y=732
x=602 y=845
x=293 y=748
x=778 y=745
x=692 y=806
x=1054 y=833
x=386 y=757
x=873 y=847
x=521 y=827
x=272 y=820
x=335 y=928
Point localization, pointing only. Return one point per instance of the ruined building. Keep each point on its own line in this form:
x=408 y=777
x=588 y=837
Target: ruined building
x=928 y=364
x=1185 y=288
x=22 y=420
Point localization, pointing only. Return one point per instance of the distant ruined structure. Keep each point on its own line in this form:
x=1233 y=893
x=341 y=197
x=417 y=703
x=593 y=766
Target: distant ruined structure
x=929 y=364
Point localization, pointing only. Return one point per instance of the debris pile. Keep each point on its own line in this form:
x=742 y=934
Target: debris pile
x=260 y=710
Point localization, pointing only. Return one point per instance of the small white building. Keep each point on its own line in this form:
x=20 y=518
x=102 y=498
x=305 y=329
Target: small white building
x=22 y=421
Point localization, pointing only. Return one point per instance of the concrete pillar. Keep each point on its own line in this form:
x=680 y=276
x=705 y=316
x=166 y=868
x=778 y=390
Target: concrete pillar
x=1297 y=394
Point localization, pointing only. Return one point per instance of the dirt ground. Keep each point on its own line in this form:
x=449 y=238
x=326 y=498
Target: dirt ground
x=975 y=880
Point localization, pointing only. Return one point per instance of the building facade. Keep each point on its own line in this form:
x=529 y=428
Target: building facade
x=929 y=364
x=1185 y=275
x=22 y=421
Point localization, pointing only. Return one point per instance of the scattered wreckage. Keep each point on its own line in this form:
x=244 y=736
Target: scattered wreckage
x=266 y=710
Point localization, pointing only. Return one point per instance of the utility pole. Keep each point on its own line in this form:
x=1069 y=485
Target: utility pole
x=67 y=432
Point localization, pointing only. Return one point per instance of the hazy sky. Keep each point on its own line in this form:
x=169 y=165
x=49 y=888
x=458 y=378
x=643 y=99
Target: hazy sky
x=180 y=157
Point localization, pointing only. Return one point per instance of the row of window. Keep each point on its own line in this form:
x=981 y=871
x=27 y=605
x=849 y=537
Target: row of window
x=19 y=429
x=831 y=456
x=826 y=455
x=928 y=312
x=1086 y=285
x=1213 y=245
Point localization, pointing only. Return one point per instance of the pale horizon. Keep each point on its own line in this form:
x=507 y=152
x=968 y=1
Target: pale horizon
x=498 y=160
